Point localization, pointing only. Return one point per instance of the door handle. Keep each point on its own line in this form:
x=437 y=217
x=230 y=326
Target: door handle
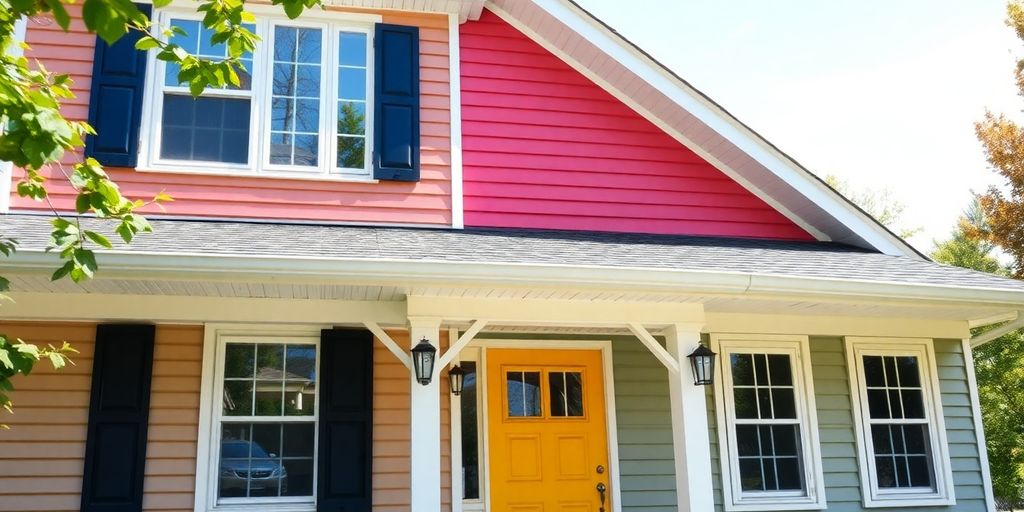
x=601 y=489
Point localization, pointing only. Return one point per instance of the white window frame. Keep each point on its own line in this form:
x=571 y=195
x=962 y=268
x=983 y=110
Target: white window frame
x=923 y=349
x=332 y=23
x=798 y=348
x=210 y=416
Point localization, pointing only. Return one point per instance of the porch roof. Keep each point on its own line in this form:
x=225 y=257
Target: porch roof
x=735 y=256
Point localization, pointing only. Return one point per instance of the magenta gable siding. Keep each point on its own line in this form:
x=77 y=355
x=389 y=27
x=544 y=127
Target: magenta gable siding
x=546 y=148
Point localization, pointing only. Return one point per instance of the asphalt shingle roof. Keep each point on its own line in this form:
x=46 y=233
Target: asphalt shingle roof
x=513 y=246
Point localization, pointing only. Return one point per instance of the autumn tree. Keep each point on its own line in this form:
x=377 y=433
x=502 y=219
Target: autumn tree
x=999 y=366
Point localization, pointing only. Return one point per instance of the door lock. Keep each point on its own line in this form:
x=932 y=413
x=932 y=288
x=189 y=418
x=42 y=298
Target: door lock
x=601 y=489
x=600 y=469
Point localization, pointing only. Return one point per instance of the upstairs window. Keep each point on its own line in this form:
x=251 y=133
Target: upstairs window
x=767 y=424
x=899 y=423
x=301 y=108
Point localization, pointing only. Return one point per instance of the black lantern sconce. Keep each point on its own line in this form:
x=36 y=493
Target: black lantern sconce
x=455 y=377
x=423 y=361
x=702 y=362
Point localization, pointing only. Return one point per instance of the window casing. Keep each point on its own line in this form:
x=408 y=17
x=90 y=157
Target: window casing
x=263 y=423
x=303 y=110
x=901 y=435
x=767 y=424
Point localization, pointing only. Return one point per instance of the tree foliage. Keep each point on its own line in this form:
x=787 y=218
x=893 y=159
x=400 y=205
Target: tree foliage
x=1003 y=142
x=36 y=137
x=879 y=203
x=999 y=366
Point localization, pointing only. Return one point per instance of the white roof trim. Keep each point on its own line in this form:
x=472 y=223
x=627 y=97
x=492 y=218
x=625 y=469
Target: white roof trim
x=705 y=127
x=464 y=9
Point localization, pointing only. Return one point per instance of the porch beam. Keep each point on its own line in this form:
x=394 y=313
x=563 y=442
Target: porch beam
x=690 y=441
x=554 y=312
x=425 y=425
x=652 y=344
x=390 y=344
x=455 y=348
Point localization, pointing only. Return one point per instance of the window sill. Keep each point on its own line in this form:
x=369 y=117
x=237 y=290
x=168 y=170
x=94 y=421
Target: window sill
x=249 y=173
x=758 y=505
x=911 y=500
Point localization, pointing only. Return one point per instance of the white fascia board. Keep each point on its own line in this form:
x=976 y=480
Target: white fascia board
x=728 y=127
x=137 y=265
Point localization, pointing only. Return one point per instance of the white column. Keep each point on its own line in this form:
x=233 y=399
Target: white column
x=690 y=443
x=425 y=416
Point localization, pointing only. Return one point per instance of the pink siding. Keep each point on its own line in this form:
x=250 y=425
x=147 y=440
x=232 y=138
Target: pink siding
x=425 y=202
x=544 y=147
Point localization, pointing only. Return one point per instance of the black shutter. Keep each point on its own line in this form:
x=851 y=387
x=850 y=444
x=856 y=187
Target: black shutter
x=346 y=421
x=115 y=99
x=115 y=447
x=396 y=131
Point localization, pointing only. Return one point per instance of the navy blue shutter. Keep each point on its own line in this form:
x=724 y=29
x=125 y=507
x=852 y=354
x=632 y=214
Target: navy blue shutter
x=115 y=447
x=115 y=99
x=345 y=452
x=396 y=117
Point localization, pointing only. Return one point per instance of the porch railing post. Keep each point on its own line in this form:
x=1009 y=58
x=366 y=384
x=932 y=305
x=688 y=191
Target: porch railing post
x=690 y=441
x=425 y=422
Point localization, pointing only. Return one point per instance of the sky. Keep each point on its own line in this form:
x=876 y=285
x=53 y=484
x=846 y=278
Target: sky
x=881 y=93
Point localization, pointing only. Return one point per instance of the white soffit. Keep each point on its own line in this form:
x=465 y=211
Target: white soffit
x=696 y=121
x=465 y=9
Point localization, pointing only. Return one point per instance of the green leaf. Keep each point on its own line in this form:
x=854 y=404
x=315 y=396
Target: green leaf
x=5 y=358
x=146 y=43
x=99 y=239
x=159 y=4
x=57 y=360
x=63 y=271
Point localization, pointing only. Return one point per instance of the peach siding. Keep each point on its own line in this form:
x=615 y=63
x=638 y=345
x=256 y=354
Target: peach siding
x=425 y=202
x=45 y=447
x=391 y=429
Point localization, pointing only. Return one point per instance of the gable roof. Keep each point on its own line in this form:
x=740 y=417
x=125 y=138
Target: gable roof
x=691 y=117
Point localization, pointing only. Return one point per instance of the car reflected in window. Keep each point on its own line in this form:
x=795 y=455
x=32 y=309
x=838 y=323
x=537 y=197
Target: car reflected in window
x=246 y=469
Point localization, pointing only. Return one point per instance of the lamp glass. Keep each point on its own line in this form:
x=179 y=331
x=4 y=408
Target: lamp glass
x=702 y=362
x=456 y=376
x=423 y=361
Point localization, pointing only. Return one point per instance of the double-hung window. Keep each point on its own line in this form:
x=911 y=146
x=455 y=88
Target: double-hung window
x=264 y=423
x=767 y=424
x=301 y=108
x=900 y=429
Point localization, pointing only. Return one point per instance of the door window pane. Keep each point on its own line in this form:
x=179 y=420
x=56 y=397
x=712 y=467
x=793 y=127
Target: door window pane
x=523 y=391
x=470 y=452
x=208 y=129
x=295 y=96
x=565 y=390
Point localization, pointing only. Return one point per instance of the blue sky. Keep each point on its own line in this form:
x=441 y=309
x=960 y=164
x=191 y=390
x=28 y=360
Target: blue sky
x=881 y=93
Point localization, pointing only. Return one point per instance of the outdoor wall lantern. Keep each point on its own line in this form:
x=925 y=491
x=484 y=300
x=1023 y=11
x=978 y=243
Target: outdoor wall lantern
x=455 y=377
x=702 y=361
x=423 y=361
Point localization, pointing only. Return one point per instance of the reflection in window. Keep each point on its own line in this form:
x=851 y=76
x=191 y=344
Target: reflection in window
x=899 y=428
x=470 y=453
x=523 y=391
x=767 y=427
x=352 y=81
x=295 y=96
x=566 y=393
x=194 y=38
x=261 y=454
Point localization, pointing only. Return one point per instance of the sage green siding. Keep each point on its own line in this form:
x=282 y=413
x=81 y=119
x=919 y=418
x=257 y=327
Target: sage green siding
x=836 y=427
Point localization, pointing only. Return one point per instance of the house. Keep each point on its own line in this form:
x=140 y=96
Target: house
x=519 y=192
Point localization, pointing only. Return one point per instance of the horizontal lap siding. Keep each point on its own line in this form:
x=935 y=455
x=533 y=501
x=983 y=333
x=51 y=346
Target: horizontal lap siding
x=544 y=147
x=41 y=457
x=837 y=435
x=644 y=426
x=425 y=202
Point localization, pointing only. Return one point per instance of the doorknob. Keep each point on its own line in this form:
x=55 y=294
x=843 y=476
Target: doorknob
x=601 y=489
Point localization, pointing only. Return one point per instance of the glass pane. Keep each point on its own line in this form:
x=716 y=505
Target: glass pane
x=574 y=385
x=297 y=440
x=761 y=369
x=352 y=118
x=764 y=401
x=266 y=440
x=470 y=454
x=778 y=366
x=307 y=81
x=902 y=476
x=878 y=403
x=238 y=398
x=300 y=362
x=787 y=440
x=784 y=403
x=895 y=404
x=790 y=476
x=252 y=463
x=566 y=393
x=768 y=471
x=885 y=467
x=196 y=40
x=206 y=129
x=891 y=379
x=767 y=444
x=742 y=370
x=297 y=477
x=269 y=361
x=874 y=375
x=523 y=389
x=913 y=403
x=750 y=475
x=352 y=49
x=299 y=398
x=351 y=84
x=269 y=398
x=351 y=152
x=239 y=360
x=746 y=403
x=920 y=470
x=881 y=439
x=916 y=439
x=747 y=441
x=295 y=101
x=556 y=391
x=910 y=376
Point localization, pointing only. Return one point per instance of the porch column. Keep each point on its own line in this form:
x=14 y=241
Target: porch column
x=425 y=420
x=690 y=443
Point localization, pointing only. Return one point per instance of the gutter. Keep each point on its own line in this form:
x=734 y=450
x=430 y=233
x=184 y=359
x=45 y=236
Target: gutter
x=1002 y=330
x=403 y=272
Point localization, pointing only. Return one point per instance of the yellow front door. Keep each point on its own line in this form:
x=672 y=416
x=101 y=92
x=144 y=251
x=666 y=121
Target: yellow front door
x=547 y=435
